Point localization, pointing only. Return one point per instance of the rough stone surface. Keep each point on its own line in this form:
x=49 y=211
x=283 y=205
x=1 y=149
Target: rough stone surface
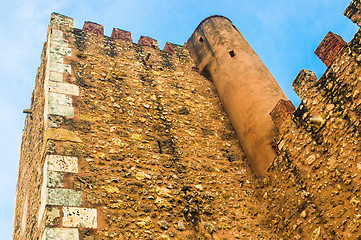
x=305 y=81
x=64 y=197
x=64 y=88
x=52 y=216
x=56 y=77
x=61 y=233
x=55 y=179
x=62 y=163
x=60 y=22
x=61 y=110
x=159 y=159
x=62 y=135
x=59 y=67
x=79 y=217
x=353 y=12
x=58 y=98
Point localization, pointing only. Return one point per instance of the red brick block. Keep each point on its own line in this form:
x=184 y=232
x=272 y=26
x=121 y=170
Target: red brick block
x=148 y=41
x=121 y=34
x=330 y=48
x=93 y=28
x=169 y=48
x=280 y=112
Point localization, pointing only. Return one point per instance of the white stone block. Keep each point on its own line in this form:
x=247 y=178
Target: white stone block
x=61 y=234
x=59 y=67
x=61 y=110
x=59 y=98
x=56 y=77
x=59 y=42
x=62 y=163
x=80 y=217
x=64 y=88
x=54 y=179
x=54 y=57
x=56 y=48
x=56 y=34
x=64 y=197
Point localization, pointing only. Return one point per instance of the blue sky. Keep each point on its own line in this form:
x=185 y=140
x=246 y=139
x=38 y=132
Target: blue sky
x=284 y=33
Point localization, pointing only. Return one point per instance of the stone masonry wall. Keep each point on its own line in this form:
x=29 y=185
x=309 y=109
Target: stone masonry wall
x=127 y=141
x=30 y=164
x=313 y=187
x=136 y=146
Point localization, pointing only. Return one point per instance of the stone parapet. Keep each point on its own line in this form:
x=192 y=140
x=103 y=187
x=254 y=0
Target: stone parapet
x=93 y=27
x=353 y=12
x=148 y=41
x=121 y=34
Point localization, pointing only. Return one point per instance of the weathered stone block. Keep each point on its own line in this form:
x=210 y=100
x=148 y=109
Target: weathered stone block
x=64 y=197
x=121 y=34
x=59 y=67
x=62 y=135
x=330 y=48
x=62 y=163
x=93 y=27
x=61 y=50
x=353 y=12
x=148 y=41
x=59 y=98
x=54 y=57
x=56 y=34
x=64 y=88
x=304 y=81
x=80 y=217
x=61 y=234
x=59 y=42
x=54 y=179
x=52 y=216
x=60 y=22
x=61 y=110
x=56 y=77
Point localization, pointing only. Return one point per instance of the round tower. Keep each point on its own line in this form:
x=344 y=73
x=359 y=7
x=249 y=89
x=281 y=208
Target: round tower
x=246 y=87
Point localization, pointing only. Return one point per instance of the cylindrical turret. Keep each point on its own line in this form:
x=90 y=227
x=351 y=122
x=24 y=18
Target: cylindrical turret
x=247 y=89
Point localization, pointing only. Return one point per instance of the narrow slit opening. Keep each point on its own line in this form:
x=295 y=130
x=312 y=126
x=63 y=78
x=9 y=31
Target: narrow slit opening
x=201 y=39
x=232 y=54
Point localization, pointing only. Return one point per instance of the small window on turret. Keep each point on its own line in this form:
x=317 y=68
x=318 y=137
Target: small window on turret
x=231 y=53
x=201 y=39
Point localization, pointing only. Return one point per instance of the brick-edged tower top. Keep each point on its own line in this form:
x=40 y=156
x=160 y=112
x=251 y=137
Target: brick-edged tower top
x=121 y=34
x=330 y=48
x=93 y=27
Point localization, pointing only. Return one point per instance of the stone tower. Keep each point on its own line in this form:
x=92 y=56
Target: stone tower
x=127 y=141
x=246 y=88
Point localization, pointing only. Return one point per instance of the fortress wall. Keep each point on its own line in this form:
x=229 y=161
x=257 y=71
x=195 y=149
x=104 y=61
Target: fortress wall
x=127 y=141
x=136 y=145
x=313 y=186
x=30 y=163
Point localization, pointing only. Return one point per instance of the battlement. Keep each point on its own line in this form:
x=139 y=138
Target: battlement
x=331 y=47
x=127 y=141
